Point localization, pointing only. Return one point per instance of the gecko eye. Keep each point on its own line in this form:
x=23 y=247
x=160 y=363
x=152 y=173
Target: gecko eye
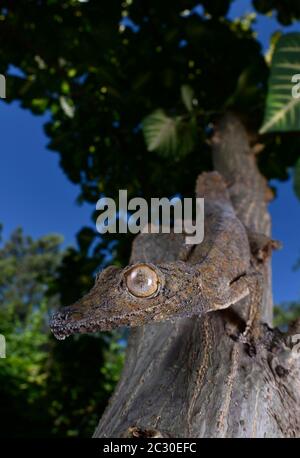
x=142 y=281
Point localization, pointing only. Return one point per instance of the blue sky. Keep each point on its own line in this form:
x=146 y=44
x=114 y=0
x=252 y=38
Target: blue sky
x=35 y=193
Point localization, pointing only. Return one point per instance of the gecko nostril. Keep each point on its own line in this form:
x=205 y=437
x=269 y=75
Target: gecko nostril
x=142 y=281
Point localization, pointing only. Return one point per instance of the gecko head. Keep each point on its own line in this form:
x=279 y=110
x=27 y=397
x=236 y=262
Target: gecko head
x=133 y=296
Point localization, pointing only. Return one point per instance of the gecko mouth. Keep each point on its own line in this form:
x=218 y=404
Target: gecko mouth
x=63 y=324
x=62 y=329
x=67 y=322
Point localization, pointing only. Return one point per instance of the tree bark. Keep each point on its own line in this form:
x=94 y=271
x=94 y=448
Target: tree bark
x=191 y=377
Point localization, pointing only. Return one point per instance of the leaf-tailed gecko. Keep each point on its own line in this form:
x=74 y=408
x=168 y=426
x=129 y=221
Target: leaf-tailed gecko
x=202 y=278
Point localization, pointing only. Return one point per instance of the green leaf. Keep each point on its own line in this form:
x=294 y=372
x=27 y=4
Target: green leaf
x=187 y=131
x=169 y=136
x=39 y=105
x=187 y=95
x=67 y=106
x=160 y=132
x=297 y=178
x=282 y=112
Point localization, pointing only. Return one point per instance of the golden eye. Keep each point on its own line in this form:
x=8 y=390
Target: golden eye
x=142 y=281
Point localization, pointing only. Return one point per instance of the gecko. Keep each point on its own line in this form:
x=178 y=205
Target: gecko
x=203 y=278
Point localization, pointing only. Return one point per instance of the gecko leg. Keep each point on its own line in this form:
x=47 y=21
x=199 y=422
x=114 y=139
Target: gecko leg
x=248 y=285
x=255 y=285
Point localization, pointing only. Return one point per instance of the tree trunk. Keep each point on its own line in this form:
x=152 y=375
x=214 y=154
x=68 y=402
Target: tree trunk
x=191 y=377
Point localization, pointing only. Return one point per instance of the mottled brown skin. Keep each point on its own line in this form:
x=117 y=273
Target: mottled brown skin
x=204 y=376
x=212 y=276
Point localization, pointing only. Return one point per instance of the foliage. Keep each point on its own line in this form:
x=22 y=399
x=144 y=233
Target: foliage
x=169 y=136
x=175 y=136
x=286 y=11
x=27 y=268
x=286 y=313
x=120 y=61
x=282 y=109
x=51 y=389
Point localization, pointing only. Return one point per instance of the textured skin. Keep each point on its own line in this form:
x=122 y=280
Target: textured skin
x=201 y=376
x=249 y=193
x=213 y=275
x=195 y=377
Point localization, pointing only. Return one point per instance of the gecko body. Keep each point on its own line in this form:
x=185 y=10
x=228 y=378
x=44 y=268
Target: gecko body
x=202 y=278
